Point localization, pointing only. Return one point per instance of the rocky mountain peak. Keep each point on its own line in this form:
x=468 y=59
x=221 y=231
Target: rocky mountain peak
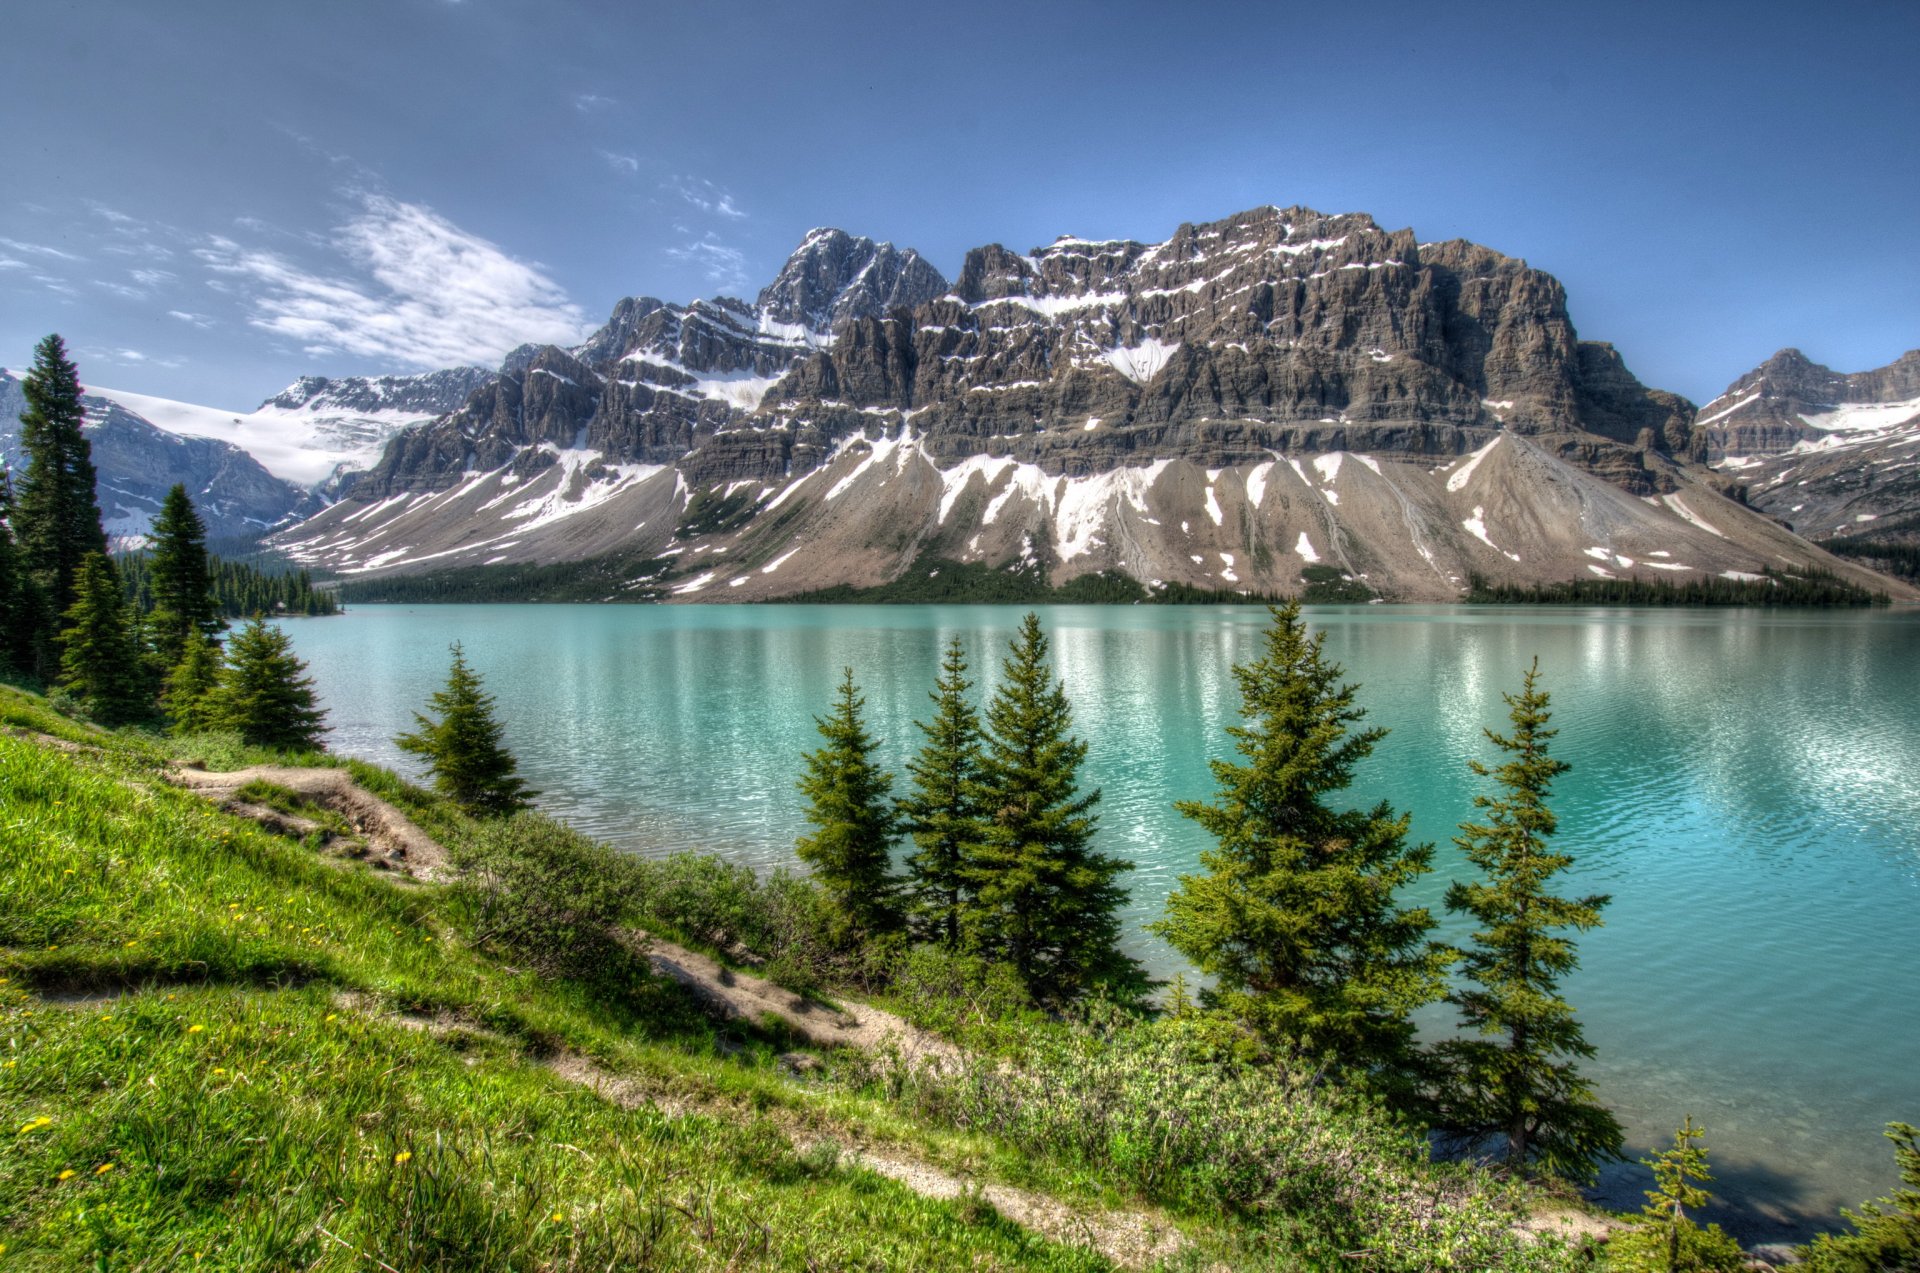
x=834 y=276
x=428 y=394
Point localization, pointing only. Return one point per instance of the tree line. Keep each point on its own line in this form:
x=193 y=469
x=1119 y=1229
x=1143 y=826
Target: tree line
x=239 y=589
x=1295 y=917
x=139 y=642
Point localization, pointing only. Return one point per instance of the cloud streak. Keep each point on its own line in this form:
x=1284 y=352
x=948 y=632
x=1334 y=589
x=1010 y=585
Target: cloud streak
x=725 y=267
x=416 y=290
x=706 y=196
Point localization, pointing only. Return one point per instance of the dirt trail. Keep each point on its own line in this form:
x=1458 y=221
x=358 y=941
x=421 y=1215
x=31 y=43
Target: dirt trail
x=389 y=833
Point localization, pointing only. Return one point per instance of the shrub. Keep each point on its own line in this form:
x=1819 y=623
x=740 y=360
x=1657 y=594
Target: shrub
x=1158 y=1107
x=542 y=894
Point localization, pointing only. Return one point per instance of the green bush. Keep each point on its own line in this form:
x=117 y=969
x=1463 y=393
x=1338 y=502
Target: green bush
x=1646 y=1249
x=1156 y=1107
x=542 y=894
x=1886 y=1236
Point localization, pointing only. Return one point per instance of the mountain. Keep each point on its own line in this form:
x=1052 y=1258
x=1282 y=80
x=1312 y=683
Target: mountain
x=316 y=430
x=1251 y=397
x=1828 y=453
x=137 y=463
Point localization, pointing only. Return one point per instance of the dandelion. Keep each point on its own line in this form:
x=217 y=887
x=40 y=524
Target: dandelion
x=218 y=1070
x=103 y=1169
x=34 y=1124
x=196 y=1029
x=68 y=871
x=558 y=1217
x=403 y=1156
x=333 y=1016
x=68 y=1174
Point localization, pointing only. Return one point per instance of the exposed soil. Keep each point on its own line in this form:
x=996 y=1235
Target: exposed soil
x=392 y=837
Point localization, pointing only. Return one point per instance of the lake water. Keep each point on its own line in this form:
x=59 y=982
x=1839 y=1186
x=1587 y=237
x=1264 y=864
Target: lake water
x=1745 y=785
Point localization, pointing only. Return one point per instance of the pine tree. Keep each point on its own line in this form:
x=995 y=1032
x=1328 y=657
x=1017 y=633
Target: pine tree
x=264 y=692
x=100 y=659
x=943 y=812
x=1295 y=918
x=55 y=517
x=1517 y=1078
x=182 y=583
x=17 y=612
x=188 y=697
x=1886 y=1234
x=463 y=748
x=1044 y=899
x=849 y=801
x=1665 y=1239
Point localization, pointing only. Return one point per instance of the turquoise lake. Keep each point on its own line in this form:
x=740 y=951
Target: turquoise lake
x=1745 y=784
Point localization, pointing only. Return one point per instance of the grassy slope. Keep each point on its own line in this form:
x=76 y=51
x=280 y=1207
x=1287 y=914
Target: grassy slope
x=216 y=1103
x=207 y=1026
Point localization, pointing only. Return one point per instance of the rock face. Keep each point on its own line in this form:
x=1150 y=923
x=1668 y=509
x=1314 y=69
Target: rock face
x=1829 y=454
x=1079 y=406
x=137 y=463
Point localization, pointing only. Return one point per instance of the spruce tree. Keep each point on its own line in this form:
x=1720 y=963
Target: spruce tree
x=463 y=748
x=17 y=613
x=180 y=579
x=1295 y=917
x=849 y=800
x=1043 y=899
x=1513 y=1074
x=55 y=518
x=264 y=694
x=99 y=658
x=942 y=812
x=188 y=696
x=1665 y=1239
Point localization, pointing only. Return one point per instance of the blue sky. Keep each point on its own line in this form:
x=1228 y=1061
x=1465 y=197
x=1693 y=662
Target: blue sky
x=208 y=199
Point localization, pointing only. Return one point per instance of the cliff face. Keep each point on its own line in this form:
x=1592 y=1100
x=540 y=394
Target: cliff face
x=1828 y=453
x=1070 y=405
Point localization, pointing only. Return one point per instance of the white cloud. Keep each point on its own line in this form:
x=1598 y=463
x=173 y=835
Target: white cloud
x=706 y=196
x=120 y=289
x=419 y=291
x=8 y=263
x=132 y=358
x=587 y=103
x=725 y=267
x=198 y=320
x=149 y=278
x=39 y=249
x=626 y=164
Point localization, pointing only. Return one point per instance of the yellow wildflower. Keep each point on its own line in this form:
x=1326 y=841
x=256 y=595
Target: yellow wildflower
x=34 y=1124
x=333 y=1016
x=103 y=1169
x=403 y=1155
x=557 y=1217
x=219 y=1070
x=195 y=1029
x=68 y=1174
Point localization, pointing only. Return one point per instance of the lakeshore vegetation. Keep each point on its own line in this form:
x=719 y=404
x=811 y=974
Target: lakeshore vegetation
x=232 y=1042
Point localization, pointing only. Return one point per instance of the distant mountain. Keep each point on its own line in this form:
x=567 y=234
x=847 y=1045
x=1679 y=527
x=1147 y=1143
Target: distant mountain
x=137 y=463
x=1227 y=408
x=1829 y=453
x=316 y=430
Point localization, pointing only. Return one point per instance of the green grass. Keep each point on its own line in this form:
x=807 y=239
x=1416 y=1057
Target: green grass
x=250 y=1055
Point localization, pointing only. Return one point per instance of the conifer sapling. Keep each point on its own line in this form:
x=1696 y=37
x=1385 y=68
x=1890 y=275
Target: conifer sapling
x=849 y=802
x=463 y=748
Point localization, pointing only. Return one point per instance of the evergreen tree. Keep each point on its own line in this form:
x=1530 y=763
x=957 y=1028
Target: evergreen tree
x=1295 y=918
x=463 y=748
x=17 y=612
x=849 y=801
x=55 y=518
x=188 y=697
x=1043 y=899
x=943 y=812
x=1517 y=1078
x=1665 y=1239
x=1886 y=1236
x=264 y=693
x=179 y=576
x=100 y=659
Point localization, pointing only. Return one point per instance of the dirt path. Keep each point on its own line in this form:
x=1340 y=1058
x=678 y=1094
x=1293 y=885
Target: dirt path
x=389 y=833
